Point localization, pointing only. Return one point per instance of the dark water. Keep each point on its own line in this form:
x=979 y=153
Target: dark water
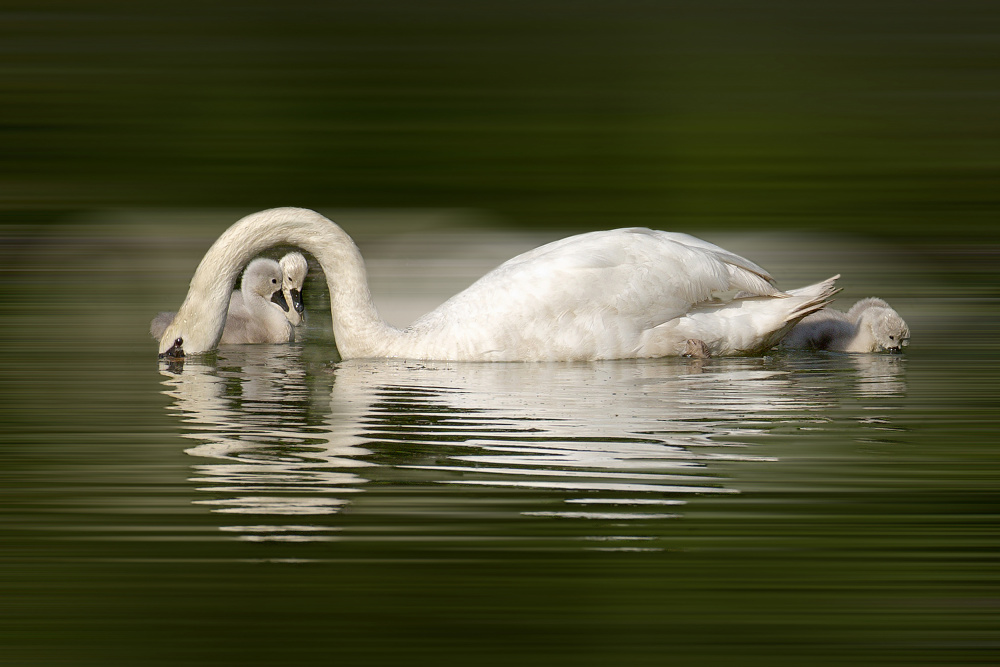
x=839 y=115
x=264 y=506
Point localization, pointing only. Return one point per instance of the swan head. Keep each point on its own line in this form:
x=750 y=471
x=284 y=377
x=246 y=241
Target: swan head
x=197 y=326
x=175 y=352
x=888 y=330
x=294 y=269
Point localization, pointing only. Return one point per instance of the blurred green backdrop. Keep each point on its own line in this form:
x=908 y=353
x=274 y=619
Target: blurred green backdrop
x=874 y=117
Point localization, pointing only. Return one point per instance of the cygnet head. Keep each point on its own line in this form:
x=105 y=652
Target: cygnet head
x=294 y=267
x=696 y=349
x=263 y=277
x=889 y=331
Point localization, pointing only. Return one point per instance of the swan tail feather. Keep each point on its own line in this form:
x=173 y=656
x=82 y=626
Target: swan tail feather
x=807 y=300
x=818 y=296
x=750 y=282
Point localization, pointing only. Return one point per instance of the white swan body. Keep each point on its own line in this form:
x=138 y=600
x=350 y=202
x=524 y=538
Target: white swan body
x=252 y=316
x=871 y=325
x=294 y=269
x=616 y=294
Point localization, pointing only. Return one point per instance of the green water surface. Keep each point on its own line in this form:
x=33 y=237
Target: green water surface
x=268 y=505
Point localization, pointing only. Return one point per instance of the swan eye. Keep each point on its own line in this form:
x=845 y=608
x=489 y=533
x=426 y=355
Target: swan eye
x=892 y=338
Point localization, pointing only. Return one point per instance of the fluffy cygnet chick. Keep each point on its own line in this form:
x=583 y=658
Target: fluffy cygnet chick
x=871 y=325
x=294 y=267
x=257 y=311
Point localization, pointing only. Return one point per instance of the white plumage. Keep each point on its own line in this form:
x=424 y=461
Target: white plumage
x=624 y=293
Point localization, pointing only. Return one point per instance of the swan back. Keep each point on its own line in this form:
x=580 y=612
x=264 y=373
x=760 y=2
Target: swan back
x=294 y=268
x=586 y=297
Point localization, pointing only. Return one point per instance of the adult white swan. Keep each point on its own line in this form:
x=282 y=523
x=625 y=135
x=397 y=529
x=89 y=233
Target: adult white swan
x=616 y=294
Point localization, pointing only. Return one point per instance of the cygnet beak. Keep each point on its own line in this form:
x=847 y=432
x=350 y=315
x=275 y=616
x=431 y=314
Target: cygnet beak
x=279 y=298
x=297 y=301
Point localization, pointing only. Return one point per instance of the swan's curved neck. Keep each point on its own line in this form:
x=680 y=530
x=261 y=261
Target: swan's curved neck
x=358 y=329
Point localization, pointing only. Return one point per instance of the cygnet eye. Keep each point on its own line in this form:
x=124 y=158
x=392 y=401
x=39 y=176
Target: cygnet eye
x=892 y=338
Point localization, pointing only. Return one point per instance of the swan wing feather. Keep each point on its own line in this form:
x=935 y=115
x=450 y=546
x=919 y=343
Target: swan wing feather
x=588 y=296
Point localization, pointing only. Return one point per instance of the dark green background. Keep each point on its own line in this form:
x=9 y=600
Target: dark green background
x=874 y=117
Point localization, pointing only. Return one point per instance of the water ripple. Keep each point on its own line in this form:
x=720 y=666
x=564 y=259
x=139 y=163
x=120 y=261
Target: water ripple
x=370 y=441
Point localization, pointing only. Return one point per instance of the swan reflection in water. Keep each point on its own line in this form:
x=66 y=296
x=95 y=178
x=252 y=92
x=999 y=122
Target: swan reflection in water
x=272 y=451
x=625 y=442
